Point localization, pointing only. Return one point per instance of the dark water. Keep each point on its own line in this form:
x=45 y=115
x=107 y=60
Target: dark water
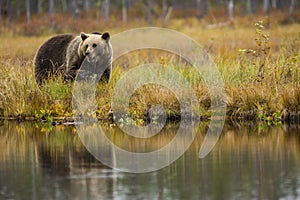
x=38 y=161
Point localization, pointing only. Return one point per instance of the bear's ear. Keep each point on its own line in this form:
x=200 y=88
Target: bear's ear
x=83 y=36
x=105 y=36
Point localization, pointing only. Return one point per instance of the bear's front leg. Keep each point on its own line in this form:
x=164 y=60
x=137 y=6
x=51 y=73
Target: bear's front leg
x=106 y=75
x=70 y=75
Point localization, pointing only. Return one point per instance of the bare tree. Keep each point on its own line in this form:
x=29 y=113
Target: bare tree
x=274 y=3
x=254 y=5
x=19 y=8
x=98 y=5
x=51 y=7
x=106 y=6
x=124 y=11
x=39 y=6
x=0 y=10
x=292 y=8
x=64 y=5
x=28 y=11
x=230 y=9
x=8 y=10
x=184 y=8
x=266 y=7
x=249 y=6
x=149 y=12
x=202 y=8
x=164 y=8
x=75 y=10
x=280 y=5
x=199 y=9
x=87 y=5
x=167 y=11
x=51 y=13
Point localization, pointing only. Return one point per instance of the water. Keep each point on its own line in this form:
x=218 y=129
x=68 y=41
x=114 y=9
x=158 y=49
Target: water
x=38 y=161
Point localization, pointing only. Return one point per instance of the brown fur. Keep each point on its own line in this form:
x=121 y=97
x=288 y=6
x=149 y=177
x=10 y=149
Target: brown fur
x=63 y=55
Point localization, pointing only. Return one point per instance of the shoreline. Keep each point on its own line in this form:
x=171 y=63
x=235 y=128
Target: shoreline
x=287 y=118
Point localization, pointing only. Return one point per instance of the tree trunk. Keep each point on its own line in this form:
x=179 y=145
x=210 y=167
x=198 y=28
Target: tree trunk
x=8 y=7
x=202 y=8
x=231 y=9
x=106 y=10
x=267 y=12
x=64 y=6
x=19 y=8
x=149 y=12
x=28 y=11
x=254 y=6
x=51 y=13
x=98 y=5
x=166 y=11
x=164 y=8
x=292 y=8
x=205 y=7
x=75 y=10
x=280 y=5
x=0 y=10
x=199 y=9
x=249 y=7
x=87 y=5
x=124 y=11
x=51 y=7
x=274 y=3
x=39 y=6
x=266 y=7
x=168 y=14
x=184 y=6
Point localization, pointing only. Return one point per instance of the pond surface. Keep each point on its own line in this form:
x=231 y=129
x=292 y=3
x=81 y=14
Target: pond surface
x=38 y=161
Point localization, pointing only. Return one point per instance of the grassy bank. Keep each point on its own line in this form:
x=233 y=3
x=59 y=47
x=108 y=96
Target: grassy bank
x=260 y=69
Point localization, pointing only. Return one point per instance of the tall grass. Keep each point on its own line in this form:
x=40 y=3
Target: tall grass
x=260 y=69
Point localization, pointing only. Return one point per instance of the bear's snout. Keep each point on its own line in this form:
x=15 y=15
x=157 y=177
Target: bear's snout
x=90 y=56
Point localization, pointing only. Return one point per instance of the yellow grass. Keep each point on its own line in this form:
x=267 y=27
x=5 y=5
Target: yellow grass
x=248 y=95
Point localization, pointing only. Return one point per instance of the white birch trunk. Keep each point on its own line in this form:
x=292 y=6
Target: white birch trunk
x=274 y=3
x=231 y=9
x=149 y=12
x=51 y=13
x=292 y=8
x=106 y=10
x=266 y=7
x=124 y=11
x=28 y=11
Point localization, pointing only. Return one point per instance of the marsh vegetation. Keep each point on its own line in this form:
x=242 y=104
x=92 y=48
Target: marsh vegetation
x=259 y=67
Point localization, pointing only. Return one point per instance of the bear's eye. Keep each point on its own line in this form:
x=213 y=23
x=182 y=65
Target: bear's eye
x=94 y=45
x=86 y=46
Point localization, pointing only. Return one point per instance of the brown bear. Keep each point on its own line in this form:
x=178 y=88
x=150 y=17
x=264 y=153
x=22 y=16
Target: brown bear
x=64 y=54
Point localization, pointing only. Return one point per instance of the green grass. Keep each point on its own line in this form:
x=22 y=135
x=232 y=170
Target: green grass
x=260 y=73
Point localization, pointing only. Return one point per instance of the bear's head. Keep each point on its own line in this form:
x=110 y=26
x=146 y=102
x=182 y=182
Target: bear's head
x=94 y=44
x=97 y=52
